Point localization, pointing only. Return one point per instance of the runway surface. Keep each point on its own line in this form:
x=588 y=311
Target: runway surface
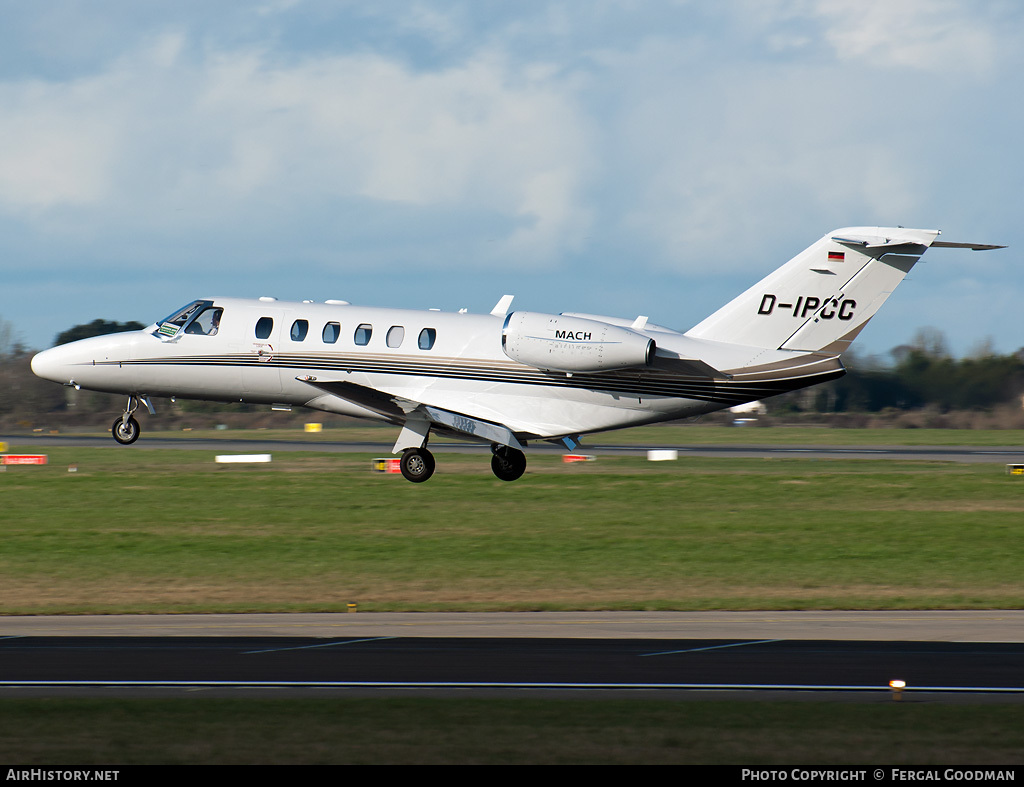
x=999 y=454
x=939 y=654
x=906 y=626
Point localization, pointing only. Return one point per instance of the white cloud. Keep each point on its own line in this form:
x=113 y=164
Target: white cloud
x=157 y=138
x=756 y=150
x=930 y=35
x=53 y=149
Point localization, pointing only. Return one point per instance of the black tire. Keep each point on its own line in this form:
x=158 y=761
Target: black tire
x=417 y=464
x=508 y=464
x=126 y=433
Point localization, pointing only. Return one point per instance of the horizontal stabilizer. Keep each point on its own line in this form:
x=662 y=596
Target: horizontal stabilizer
x=946 y=244
x=877 y=242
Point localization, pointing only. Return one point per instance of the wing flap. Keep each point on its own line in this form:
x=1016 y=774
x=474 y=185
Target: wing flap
x=491 y=432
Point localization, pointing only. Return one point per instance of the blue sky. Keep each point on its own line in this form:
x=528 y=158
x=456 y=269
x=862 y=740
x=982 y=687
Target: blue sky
x=612 y=157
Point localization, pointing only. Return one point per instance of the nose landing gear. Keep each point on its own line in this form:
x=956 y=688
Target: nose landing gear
x=126 y=429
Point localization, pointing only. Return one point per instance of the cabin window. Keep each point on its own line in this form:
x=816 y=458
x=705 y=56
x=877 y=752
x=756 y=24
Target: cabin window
x=396 y=333
x=426 y=340
x=264 y=327
x=207 y=323
x=299 y=330
x=363 y=333
x=331 y=332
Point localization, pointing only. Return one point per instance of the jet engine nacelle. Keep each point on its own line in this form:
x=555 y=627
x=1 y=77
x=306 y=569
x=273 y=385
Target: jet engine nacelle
x=572 y=344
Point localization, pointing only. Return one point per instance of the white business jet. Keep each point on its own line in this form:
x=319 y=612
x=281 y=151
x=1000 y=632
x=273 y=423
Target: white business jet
x=508 y=377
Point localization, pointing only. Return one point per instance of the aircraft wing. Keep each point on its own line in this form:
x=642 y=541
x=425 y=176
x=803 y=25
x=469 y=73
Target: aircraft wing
x=692 y=367
x=413 y=414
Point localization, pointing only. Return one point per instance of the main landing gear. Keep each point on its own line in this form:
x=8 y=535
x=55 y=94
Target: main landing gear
x=507 y=463
x=417 y=464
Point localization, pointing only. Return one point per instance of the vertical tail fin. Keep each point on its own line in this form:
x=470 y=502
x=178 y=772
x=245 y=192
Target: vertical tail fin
x=822 y=298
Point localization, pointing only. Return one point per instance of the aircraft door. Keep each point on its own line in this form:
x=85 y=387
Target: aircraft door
x=203 y=341
x=261 y=376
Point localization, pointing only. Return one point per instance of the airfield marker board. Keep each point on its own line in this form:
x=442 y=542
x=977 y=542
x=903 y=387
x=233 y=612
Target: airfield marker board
x=387 y=464
x=239 y=458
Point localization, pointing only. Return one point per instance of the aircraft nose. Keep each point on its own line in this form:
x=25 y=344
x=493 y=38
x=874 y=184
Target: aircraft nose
x=49 y=364
x=93 y=363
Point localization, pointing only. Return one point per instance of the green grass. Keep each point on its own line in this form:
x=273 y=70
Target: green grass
x=695 y=434
x=444 y=731
x=170 y=531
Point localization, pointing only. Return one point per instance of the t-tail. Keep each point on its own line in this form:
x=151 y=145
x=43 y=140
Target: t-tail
x=821 y=299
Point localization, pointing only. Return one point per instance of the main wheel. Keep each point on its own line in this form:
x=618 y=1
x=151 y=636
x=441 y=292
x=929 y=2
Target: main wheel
x=417 y=464
x=124 y=432
x=508 y=464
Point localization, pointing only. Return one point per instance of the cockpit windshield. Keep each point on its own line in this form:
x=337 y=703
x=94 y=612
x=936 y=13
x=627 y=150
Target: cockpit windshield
x=181 y=319
x=207 y=323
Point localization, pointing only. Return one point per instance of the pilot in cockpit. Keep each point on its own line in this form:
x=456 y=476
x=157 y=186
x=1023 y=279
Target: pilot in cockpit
x=207 y=323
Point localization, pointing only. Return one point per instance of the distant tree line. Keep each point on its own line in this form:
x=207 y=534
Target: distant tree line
x=922 y=374
x=25 y=398
x=95 y=328
x=925 y=374
x=22 y=394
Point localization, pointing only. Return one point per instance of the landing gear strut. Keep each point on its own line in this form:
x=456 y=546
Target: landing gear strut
x=417 y=464
x=126 y=429
x=508 y=463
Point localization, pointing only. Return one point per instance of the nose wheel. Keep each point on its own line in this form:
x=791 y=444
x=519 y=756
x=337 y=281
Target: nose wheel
x=125 y=430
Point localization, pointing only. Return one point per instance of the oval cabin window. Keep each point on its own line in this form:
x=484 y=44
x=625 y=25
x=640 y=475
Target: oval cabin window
x=363 y=334
x=264 y=327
